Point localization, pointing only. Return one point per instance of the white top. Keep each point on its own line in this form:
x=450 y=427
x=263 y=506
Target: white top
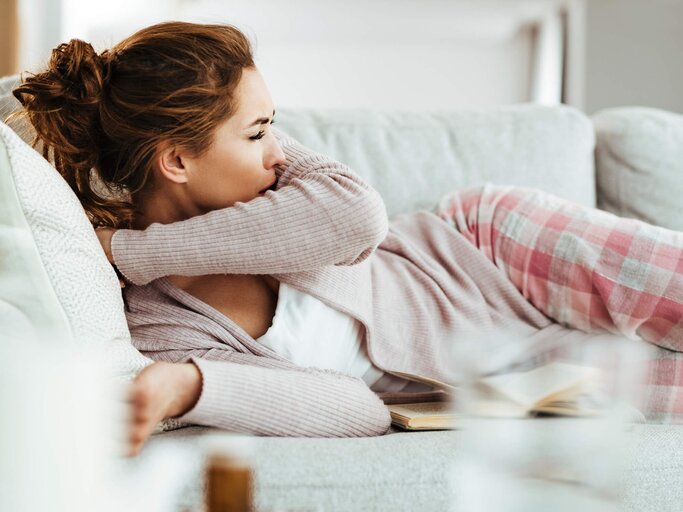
x=309 y=333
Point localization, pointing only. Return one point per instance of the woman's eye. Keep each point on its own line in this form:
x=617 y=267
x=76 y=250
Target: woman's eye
x=261 y=133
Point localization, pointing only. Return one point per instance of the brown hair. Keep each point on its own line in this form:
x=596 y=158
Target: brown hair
x=107 y=113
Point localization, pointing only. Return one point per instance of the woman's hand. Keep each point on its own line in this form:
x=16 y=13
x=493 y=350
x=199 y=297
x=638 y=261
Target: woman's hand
x=161 y=390
x=104 y=235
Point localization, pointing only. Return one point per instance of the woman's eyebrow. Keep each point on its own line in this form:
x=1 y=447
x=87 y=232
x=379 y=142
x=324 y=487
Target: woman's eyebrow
x=261 y=120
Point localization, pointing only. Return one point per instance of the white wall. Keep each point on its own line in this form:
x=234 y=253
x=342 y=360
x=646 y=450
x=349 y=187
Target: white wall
x=404 y=54
x=634 y=54
x=408 y=54
x=40 y=30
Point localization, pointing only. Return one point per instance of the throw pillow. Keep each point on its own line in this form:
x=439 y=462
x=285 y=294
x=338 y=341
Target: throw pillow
x=47 y=238
x=639 y=164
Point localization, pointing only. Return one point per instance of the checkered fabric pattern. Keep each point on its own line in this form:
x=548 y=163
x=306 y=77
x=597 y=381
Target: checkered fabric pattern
x=586 y=269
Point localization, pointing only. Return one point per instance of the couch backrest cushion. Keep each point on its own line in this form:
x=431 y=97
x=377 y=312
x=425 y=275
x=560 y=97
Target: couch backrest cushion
x=414 y=158
x=639 y=164
x=56 y=244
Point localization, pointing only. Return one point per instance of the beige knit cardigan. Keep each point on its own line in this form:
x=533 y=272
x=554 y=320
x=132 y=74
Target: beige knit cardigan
x=418 y=287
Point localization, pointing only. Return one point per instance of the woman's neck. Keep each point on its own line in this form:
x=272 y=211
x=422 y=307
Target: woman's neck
x=163 y=208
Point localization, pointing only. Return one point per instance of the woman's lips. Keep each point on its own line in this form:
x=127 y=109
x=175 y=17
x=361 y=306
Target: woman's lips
x=271 y=187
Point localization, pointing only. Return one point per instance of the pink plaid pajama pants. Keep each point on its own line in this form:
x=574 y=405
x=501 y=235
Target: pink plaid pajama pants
x=582 y=267
x=586 y=269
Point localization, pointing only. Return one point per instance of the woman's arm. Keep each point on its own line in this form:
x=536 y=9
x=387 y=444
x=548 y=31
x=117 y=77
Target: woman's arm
x=299 y=403
x=255 y=394
x=271 y=400
x=321 y=213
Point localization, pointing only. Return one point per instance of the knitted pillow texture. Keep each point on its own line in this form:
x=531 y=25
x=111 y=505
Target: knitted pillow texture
x=29 y=309
x=81 y=278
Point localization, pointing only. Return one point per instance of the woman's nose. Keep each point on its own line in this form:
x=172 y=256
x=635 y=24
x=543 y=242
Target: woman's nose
x=276 y=155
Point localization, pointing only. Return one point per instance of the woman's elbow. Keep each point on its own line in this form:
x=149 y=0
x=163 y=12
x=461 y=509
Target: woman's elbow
x=378 y=417
x=370 y=232
x=375 y=422
x=382 y=424
x=373 y=222
x=379 y=227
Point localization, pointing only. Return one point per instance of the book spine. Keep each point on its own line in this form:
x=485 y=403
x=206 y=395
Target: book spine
x=397 y=397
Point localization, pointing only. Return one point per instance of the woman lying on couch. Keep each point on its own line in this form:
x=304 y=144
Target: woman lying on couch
x=265 y=279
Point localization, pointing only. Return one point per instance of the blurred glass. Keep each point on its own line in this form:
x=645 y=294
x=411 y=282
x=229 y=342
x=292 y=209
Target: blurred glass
x=514 y=458
x=62 y=427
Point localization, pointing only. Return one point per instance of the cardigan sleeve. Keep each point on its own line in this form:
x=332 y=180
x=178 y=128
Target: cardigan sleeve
x=260 y=396
x=307 y=403
x=320 y=213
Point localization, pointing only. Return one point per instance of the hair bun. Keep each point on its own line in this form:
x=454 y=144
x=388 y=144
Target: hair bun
x=78 y=69
x=63 y=105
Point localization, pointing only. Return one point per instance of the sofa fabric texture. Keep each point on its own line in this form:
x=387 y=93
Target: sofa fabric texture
x=529 y=145
x=400 y=471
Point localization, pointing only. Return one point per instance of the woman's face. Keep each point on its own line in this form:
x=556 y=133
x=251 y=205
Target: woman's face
x=238 y=166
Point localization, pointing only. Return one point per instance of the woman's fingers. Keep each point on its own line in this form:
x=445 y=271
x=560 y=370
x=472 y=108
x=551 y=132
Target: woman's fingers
x=104 y=235
x=159 y=391
x=150 y=397
x=122 y=281
x=142 y=417
x=135 y=444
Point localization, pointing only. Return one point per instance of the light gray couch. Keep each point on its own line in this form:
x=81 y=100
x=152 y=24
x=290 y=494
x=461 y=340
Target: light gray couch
x=412 y=159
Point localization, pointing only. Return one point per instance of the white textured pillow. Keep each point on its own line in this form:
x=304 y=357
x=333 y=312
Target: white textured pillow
x=56 y=249
x=639 y=164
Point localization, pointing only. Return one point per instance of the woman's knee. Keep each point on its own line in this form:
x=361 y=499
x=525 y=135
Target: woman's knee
x=459 y=208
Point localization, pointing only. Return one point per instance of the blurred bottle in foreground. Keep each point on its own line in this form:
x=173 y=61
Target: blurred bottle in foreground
x=229 y=473
x=62 y=426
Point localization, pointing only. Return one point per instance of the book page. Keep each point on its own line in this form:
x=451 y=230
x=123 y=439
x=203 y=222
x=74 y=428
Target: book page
x=424 y=409
x=425 y=380
x=531 y=388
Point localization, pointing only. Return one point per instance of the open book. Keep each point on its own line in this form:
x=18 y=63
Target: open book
x=557 y=388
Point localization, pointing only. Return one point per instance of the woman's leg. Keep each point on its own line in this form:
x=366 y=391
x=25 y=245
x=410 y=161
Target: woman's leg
x=583 y=267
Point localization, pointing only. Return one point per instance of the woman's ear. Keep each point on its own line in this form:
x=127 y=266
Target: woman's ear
x=170 y=164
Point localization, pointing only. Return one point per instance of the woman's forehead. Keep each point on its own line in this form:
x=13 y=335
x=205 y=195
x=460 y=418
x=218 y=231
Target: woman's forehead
x=253 y=98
